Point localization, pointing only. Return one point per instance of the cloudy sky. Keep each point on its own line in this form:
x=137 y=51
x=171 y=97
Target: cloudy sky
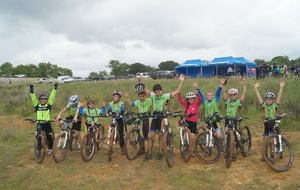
x=84 y=35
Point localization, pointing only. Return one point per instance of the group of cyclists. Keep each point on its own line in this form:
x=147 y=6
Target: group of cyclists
x=155 y=101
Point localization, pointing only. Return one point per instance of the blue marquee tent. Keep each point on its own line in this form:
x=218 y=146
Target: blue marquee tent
x=193 y=68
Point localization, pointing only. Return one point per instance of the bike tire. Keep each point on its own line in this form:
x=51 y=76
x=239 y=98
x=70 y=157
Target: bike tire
x=132 y=144
x=73 y=140
x=186 y=147
x=168 y=148
x=111 y=144
x=39 y=152
x=205 y=153
x=229 y=148
x=87 y=148
x=60 y=148
x=282 y=161
x=245 y=141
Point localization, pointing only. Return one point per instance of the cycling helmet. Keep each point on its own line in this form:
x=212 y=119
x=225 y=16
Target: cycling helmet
x=233 y=91
x=138 y=88
x=270 y=95
x=43 y=96
x=73 y=100
x=116 y=92
x=190 y=95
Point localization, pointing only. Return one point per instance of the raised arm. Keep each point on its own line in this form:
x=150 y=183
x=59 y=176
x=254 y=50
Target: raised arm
x=181 y=78
x=281 y=84
x=195 y=84
x=244 y=91
x=256 y=86
x=224 y=92
x=127 y=98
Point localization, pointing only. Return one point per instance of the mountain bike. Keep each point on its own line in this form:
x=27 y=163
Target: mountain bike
x=132 y=142
x=277 y=151
x=208 y=146
x=236 y=137
x=67 y=138
x=113 y=134
x=186 y=147
x=93 y=138
x=40 y=140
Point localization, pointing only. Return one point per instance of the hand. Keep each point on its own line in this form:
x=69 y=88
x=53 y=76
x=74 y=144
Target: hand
x=126 y=94
x=31 y=89
x=243 y=80
x=223 y=81
x=256 y=85
x=181 y=77
x=75 y=120
x=55 y=86
x=195 y=84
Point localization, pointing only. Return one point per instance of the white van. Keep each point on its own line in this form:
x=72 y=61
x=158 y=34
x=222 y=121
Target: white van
x=144 y=75
x=64 y=79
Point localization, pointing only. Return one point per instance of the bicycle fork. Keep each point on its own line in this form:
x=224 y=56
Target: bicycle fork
x=65 y=133
x=209 y=139
x=181 y=135
x=114 y=135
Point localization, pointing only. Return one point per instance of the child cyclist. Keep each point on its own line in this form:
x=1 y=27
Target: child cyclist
x=43 y=107
x=159 y=99
x=73 y=106
x=270 y=106
x=118 y=106
x=144 y=106
x=233 y=105
x=211 y=101
x=191 y=105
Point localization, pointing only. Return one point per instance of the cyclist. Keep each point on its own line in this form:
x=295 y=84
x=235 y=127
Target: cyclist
x=211 y=101
x=73 y=106
x=43 y=107
x=191 y=105
x=270 y=107
x=144 y=105
x=118 y=106
x=233 y=104
x=159 y=99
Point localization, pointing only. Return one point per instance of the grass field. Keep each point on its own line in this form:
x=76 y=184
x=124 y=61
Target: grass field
x=19 y=170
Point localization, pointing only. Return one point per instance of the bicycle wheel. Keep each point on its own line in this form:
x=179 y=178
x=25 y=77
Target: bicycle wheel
x=206 y=151
x=229 y=141
x=168 y=148
x=39 y=148
x=73 y=140
x=186 y=147
x=100 y=138
x=282 y=160
x=87 y=148
x=60 y=148
x=132 y=144
x=245 y=141
x=111 y=144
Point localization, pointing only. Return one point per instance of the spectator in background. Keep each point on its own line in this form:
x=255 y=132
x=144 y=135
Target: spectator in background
x=229 y=71
x=257 y=70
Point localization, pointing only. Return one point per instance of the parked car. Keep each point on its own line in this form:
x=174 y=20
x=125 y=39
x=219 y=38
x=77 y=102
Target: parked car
x=42 y=80
x=144 y=75
x=65 y=79
x=6 y=76
x=163 y=74
x=78 y=79
x=19 y=76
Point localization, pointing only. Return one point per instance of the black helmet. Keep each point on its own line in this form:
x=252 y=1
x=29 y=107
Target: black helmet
x=138 y=88
x=43 y=96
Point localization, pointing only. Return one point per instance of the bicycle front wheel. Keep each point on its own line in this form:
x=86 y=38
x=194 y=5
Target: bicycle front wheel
x=73 y=140
x=245 y=141
x=229 y=141
x=60 y=148
x=276 y=159
x=186 y=147
x=132 y=144
x=87 y=148
x=39 y=148
x=208 y=148
x=111 y=144
x=168 y=148
x=100 y=138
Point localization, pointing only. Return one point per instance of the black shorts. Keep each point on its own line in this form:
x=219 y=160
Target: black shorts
x=156 y=125
x=145 y=129
x=192 y=126
x=269 y=128
x=75 y=126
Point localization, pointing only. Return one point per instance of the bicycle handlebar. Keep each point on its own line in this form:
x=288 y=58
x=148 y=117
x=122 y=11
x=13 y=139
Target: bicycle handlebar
x=38 y=120
x=279 y=117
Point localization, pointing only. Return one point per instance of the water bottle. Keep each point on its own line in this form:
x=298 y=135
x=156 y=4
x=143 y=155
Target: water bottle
x=103 y=107
x=238 y=136
x=81 y=109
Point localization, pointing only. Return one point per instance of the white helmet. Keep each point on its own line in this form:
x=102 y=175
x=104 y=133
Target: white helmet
x=270 y=95
x=138 y=88
x=73 y=100
x=190 y=95
x=233 y=91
